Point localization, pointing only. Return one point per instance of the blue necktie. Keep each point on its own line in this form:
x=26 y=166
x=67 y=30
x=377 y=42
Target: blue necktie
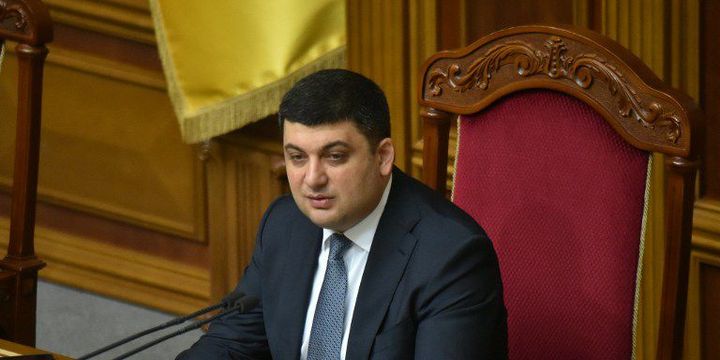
x=329 y=321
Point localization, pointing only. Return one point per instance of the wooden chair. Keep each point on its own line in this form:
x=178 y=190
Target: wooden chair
x=556 y=127
x=27 y=23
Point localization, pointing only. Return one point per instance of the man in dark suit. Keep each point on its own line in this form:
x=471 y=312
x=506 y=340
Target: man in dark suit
x=362 y=261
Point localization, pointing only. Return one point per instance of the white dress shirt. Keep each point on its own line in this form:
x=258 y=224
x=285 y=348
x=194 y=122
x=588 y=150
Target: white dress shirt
x=355 y=258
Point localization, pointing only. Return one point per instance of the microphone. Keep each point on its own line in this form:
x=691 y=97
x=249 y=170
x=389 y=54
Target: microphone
x=227 y=302
x=242 y=305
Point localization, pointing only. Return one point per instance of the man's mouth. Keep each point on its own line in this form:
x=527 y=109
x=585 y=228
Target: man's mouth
x=319 y=201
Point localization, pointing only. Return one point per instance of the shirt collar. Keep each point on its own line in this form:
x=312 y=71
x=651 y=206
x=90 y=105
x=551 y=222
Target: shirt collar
x=362 y=233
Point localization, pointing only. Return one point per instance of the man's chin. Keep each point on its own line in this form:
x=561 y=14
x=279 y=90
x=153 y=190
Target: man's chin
x=321 y=217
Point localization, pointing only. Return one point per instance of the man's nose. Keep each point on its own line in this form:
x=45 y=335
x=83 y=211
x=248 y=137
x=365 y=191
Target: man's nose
x=315 y=176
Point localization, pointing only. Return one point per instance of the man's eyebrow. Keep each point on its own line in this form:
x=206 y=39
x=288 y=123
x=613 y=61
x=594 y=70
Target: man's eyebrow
x=335 y=143
x=291 y=146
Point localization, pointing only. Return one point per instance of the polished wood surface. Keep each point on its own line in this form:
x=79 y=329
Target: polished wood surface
x=434 y=158
x=27 y=23
x=8 y=348
x=645 y=112
x=679 y=198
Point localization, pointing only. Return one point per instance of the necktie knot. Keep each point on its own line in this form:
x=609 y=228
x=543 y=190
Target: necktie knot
x=339 y=244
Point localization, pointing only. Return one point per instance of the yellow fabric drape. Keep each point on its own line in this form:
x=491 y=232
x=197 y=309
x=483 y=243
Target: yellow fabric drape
x=228 y=62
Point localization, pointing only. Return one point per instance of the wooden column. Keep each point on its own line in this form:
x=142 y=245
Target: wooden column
x=436 y=127
x=28 y=23
x=679 y=186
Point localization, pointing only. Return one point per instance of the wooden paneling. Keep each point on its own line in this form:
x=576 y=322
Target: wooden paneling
x=117 y=272
x=705 y=331
x=710 y=309
x=710 y=96
x=114 y=271
x=245 y=174
x=62 y=219
x=121 y=50
x=129 y=19
x=117 y=185
x=378 y=47
x=704 y=297
x=484 y=17
x=648 y=38
x=92 y=151
x=388 y=41
x=451 y=24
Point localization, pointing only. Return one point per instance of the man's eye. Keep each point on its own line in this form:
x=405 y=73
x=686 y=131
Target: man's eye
x=296 y=157
x=336 y=156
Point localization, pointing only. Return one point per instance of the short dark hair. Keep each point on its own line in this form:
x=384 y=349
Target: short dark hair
x=336 y=95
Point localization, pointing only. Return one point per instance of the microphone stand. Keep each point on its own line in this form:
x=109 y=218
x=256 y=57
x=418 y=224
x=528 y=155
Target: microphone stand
x=229 y=299
x=244 y=304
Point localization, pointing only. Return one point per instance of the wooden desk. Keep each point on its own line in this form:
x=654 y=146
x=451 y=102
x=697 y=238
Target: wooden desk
x=8 y=348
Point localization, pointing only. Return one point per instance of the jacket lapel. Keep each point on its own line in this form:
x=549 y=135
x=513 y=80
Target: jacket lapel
x=391 y=248
x=300 y=266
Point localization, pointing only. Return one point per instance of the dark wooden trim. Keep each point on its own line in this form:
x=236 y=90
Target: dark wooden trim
x=679 y=201
x=710 y=97
x=709 y=277
x=436 y=128
x=595 y=15
x=27 y=151
x=28 y=23
x=449 y=24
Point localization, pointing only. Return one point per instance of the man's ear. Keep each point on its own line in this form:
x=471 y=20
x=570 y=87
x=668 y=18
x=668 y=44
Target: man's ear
x=386 y=156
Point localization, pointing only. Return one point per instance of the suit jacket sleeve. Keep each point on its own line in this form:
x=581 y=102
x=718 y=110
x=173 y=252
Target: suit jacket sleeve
x=463 y=315
x=238 y=336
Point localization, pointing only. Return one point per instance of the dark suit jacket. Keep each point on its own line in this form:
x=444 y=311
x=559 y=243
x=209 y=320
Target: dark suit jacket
x=431 y=287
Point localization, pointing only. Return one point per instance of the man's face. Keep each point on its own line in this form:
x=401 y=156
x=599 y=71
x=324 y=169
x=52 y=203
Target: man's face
x=335 y=177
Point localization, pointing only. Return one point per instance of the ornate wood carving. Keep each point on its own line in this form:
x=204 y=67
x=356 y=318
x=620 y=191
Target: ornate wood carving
x=25 y=22
x=554 y=62
x=14 y=11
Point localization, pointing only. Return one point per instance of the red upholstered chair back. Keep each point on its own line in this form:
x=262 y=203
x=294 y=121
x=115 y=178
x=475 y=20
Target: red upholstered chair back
x=561 y=195
x=556 y=128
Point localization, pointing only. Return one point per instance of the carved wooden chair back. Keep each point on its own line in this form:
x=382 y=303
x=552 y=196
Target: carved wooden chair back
x=556 y=126
x=27 y=24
